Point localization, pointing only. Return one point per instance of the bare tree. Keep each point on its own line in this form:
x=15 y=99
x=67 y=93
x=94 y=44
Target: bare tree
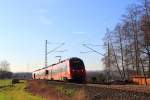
x=130 y=42
x=5 y=70
x=145 y=26
x=4 y=65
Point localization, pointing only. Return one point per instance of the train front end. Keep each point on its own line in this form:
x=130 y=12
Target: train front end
x=77 y=70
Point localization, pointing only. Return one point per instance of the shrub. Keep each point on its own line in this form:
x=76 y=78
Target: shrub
x=94 y=79
x=14 y=81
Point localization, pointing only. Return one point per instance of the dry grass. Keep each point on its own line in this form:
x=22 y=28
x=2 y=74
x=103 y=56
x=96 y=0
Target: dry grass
x=80 y=95
x=48 y=92
x=55 y=92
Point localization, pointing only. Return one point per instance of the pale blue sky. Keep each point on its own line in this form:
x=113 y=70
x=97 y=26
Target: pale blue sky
x=26 y=24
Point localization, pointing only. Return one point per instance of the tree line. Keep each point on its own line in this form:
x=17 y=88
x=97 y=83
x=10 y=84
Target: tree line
x=127 y=46
x=5 y=70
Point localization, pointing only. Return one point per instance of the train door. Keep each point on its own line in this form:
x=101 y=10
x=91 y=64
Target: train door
x=34 y=76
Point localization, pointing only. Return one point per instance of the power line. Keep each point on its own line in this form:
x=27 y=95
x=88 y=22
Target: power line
x=53 y=50
x=85 y=45
x=56 y=48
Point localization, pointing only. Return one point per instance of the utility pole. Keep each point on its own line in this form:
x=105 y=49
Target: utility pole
x=108 y=58
x=53 y=50
x=46 y=53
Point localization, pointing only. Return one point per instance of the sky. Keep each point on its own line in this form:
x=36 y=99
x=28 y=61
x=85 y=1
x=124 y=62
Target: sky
x=26 y=24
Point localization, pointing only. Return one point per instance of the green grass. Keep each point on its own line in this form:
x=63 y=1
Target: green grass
x=16 y=92
x=5 y=82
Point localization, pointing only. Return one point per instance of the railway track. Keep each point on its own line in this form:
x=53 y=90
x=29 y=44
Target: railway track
x=132 y=88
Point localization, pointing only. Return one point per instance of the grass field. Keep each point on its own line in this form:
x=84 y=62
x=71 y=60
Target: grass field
x=5 y=82
x=15 y=92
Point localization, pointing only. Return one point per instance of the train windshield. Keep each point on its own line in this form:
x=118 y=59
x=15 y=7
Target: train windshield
x=77 y=64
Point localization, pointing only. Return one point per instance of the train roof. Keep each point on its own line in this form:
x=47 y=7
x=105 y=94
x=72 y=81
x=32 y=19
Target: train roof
x=57 y=63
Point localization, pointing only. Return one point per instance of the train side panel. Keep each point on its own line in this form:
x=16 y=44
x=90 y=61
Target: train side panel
x=61 y=71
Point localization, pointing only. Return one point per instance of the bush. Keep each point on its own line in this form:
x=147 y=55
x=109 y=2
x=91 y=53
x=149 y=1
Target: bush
x=94 y=79
x=14 y=81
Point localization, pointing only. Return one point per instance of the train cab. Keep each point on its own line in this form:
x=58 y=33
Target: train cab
x=77 y=70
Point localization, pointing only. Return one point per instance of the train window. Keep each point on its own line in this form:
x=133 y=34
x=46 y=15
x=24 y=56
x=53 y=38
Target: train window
x=46 y=72
x=77 y=65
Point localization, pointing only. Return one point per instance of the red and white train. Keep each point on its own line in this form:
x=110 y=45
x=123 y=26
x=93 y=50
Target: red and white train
x=72 y=70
